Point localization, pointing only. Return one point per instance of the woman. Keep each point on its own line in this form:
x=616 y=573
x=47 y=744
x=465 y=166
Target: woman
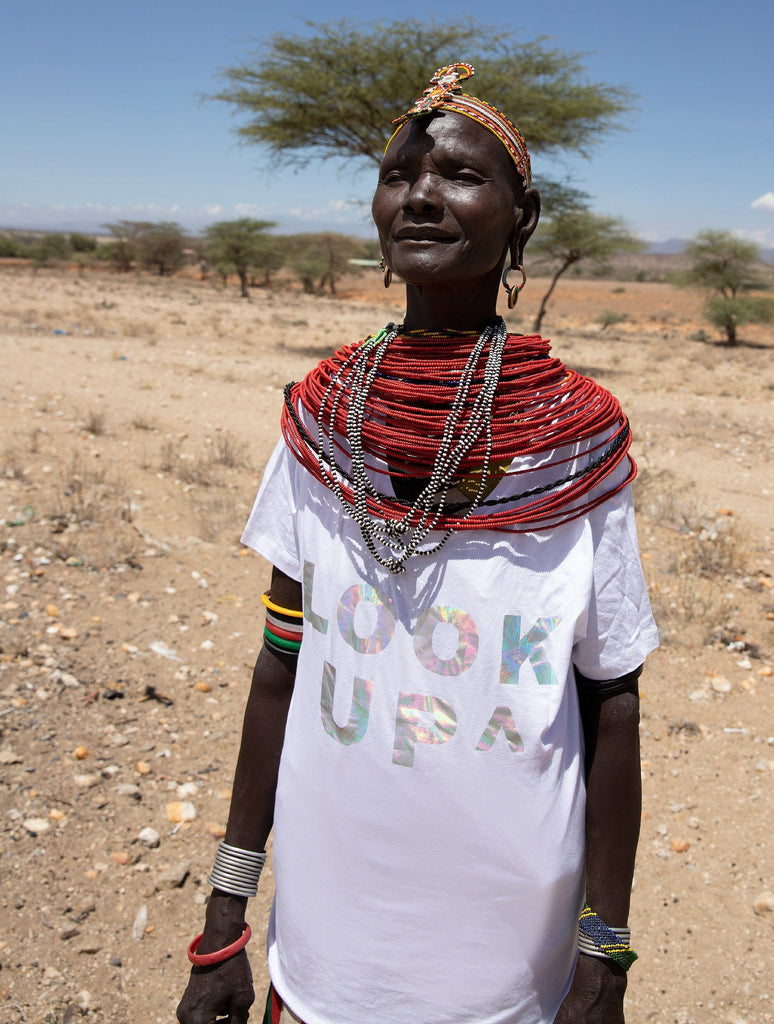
x=449 y=519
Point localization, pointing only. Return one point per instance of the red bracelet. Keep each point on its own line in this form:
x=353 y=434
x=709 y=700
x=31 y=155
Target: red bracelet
x=206 y=959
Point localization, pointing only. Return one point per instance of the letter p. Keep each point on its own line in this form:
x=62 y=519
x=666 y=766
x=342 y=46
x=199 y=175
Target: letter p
x=412 y=725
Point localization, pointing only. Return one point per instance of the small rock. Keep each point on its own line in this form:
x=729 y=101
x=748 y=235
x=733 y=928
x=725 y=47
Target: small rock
x=202 y=687
x=187 y=789
x=216 y=829
x=174 y=877
x=160 y=648
x=120 y=857
x=8 y=756
x=181 y=810
x=764 y=904
x=68 y=632
x=680 y=845
x=35 y=826
x=130 y=789
x=52 y=611
x=89 y=947
x=149 y=836
x=720 y=684
x=85 y=781
x=140 y=923
x=143 y=768
x=81 y=753
x=68 y=932
x=51 y=974
x=83 y=1001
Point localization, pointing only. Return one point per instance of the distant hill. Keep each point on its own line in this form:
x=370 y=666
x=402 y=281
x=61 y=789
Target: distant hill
x=675 y=246
x=671 y=247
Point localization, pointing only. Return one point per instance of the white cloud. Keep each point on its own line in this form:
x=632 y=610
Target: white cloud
x=764 y=202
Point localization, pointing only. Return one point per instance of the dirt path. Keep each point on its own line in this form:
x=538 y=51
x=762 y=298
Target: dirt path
x=137 y=415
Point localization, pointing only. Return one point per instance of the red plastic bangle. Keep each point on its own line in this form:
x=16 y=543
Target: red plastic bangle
x=219 y=955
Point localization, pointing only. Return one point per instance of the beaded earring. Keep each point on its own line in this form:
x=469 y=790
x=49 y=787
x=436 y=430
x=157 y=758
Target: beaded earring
x=513 y=290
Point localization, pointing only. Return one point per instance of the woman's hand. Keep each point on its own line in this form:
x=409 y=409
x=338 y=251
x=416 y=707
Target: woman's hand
x=596 y=994
x=223 y=990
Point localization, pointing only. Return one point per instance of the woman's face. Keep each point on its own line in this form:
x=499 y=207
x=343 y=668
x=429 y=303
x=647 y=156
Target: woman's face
x=445 y=206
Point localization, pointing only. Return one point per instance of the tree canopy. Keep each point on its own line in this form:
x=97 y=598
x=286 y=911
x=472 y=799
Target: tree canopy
x=335 y=91
x=724 y=263
x=578 y=234
x=239 y=244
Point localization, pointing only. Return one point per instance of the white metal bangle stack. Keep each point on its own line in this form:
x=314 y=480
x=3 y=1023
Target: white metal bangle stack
x=236 y=871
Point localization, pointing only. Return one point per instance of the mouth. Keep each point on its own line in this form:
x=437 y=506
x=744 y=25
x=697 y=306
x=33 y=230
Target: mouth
x=424 y=234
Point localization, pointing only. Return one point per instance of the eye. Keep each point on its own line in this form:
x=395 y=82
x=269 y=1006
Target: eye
x=393 y=177
x=468 y=176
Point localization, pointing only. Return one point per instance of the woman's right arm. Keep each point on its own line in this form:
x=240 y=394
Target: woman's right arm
x=227 y=987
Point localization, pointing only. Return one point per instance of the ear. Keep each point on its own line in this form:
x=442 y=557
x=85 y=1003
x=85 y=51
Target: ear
x=527 y=217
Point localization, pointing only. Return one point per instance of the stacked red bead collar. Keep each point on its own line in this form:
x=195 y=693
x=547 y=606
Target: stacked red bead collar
x=541 y=408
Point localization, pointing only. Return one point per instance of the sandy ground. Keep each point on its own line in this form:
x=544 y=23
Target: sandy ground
x=137 y=415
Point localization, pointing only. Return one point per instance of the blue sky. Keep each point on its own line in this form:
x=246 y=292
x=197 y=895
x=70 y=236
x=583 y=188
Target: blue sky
x=101 y=117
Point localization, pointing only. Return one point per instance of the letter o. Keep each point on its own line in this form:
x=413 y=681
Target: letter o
x=467 y=645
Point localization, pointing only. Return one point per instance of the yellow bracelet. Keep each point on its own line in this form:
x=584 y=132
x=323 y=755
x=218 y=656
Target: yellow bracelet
x=276 y=608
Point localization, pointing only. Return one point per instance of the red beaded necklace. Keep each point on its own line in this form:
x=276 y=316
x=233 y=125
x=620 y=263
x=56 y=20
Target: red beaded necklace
x=400 y=393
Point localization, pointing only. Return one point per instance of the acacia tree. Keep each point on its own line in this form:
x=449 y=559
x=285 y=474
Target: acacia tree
x=332 y=93
x=578 y=234
x=122 y=250
x=238 y=244
x=161 y=246
x=728 y=267
x=319 y=260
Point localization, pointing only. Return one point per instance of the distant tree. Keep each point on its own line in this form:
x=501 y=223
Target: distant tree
x=82 y=243
x=728 y=266
x=319 y=260
x=334 y=91
x=731 y=313
x=578 y=234
x=237 y=244
x=8 y=246
x=160 y=246
x=48 y=249
x=122 y=250
x=269 y=258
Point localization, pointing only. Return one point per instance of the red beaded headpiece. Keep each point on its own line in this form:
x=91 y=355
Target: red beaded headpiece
x=445 y=93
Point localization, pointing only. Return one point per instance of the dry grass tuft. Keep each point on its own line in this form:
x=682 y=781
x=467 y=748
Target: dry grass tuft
x=95 y=422
x=229 y=451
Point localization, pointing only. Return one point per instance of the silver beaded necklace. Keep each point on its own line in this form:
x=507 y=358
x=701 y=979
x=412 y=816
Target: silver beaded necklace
x=399 y=536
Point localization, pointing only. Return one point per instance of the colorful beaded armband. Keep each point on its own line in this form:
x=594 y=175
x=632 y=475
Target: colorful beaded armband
x=597 y=939
x=284 y=628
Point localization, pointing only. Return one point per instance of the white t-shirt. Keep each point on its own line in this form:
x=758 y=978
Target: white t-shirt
x=429 y=821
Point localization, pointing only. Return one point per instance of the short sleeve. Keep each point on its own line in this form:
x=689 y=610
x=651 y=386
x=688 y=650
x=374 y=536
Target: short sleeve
x=271 y=528
x=619 y=630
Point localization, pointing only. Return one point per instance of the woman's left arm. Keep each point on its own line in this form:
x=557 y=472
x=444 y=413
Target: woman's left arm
x=610 y=717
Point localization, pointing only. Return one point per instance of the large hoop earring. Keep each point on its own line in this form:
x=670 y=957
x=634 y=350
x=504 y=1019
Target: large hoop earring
x=513 y=290
x=387 y=272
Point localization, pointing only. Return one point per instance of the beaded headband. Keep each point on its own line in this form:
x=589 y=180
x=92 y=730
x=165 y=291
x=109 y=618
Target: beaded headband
x=445 y=93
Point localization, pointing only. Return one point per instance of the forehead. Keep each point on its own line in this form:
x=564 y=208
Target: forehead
x=450 y=135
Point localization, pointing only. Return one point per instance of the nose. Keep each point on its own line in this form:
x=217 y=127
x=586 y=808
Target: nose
x=422 y=196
